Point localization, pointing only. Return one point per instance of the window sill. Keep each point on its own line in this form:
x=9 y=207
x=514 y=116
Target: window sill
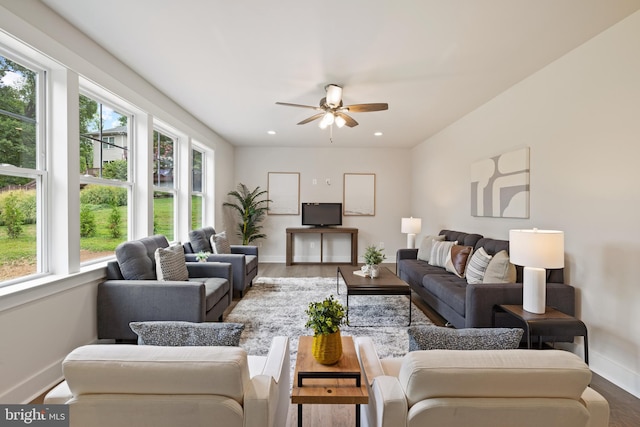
x=18 y=294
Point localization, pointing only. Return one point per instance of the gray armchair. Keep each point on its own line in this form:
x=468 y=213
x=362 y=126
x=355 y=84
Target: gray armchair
x=244 y=259
x=133 y=293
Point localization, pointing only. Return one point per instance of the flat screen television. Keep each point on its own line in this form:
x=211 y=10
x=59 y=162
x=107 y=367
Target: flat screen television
x=321 y=214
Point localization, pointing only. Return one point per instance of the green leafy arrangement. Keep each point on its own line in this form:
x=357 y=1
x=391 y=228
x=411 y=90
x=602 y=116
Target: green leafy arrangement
x=373 y=255
x=251 y=209
x=325 y=317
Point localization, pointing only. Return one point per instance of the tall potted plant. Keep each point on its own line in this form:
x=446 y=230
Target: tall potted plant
x=252 y=209
x=325 y=318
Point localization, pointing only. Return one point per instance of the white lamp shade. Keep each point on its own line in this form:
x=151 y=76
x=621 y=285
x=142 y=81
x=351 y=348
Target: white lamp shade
x=537 y=248
x=411 y=225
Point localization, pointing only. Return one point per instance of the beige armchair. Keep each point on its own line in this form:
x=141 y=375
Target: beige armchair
x=129 y=385
x=480 y=388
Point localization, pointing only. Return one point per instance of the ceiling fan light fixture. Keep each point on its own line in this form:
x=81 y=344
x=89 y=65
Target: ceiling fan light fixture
x=327 y=120
x=334 y=95
x=339 y=121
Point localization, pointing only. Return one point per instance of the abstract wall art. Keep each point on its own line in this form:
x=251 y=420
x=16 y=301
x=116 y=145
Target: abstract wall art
x=500 y=185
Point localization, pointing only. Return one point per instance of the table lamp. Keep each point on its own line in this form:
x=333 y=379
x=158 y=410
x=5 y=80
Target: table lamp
x=536 y=250
x=411 y=226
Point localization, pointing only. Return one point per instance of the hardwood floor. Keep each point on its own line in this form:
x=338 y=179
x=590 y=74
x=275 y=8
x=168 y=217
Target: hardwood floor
x=625 y=408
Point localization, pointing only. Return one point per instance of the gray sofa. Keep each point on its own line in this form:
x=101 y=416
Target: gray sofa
x=133 y=293
x=471 y=305
x=243 y=259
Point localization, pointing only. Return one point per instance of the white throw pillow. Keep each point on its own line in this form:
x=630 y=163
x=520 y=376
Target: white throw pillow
x=220 y=243
x=477 y=266
x=500 y=270
x=439 y=253
x=171 y=264
x=424 y=252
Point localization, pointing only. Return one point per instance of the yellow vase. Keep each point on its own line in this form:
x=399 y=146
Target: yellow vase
x=327 y=349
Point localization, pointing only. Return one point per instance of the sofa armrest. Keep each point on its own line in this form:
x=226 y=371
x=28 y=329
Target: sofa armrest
x=268 y=396
x=597 y=406
x=244 y=249
x=406 y=253
x=210 y=269
x=122 y=301
x=369 y=360
x=59 y=395
x=481 y=298
x=387 y=403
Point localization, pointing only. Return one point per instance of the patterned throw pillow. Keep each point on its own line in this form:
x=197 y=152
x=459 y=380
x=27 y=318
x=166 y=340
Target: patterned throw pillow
x=477 y=266
x=457 y=259
x=439 y=253
x=440 y=338
x=171 y=264
x=424 y=252
x=176 y=334
x=220 y=243
x=500 y=270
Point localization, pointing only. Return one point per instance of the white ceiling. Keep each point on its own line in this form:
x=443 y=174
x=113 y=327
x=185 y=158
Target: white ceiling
x=228 y=62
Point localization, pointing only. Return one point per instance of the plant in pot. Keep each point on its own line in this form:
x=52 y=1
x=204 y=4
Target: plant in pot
x=372 y=259
x=251 y=209
x=202 y=256
x=325 y=318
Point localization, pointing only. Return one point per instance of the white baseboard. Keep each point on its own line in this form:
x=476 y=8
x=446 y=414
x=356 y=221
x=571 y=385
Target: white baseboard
x=32 y=387
x=613 y=372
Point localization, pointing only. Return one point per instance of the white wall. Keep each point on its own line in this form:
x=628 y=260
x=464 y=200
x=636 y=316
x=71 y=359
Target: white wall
x=39 y=325
x=581 y=117
x=392 y=195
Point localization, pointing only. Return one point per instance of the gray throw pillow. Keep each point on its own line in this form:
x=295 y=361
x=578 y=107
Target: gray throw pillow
x=176 y=334
x=424 y=252
x=440 y=338
x=134 y=262
x=171 y=263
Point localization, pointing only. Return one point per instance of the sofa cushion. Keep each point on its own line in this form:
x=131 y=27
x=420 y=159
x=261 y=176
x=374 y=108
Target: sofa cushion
x=424 y=252
x=134 y=262
x=200 y=239
x=466 y=239
x=175 y=333
x=493 y=373
x=133 y=369
x=500 y=269
x=252 y=262
x=448 y=288
x=220 y=243
x=171 y=264
x=439 y=253
x=477 y=266
x=457 y=259
x=215 y=290
x=440 y=338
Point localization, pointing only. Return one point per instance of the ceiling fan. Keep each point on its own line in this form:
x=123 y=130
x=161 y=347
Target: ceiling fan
x=333 y=111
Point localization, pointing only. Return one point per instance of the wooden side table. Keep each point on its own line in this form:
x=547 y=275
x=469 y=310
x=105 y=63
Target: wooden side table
x=340 y=383
x=552 y=323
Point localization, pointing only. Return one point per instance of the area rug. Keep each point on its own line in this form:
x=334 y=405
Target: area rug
x=276 y=307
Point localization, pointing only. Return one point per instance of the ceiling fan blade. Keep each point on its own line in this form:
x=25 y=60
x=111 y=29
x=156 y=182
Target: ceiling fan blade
x=348 y=120
x=312 y=118
x=364 y=108
x=286 y=104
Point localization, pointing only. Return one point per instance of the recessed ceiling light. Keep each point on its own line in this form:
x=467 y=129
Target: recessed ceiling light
x=271 y=132
x=378 y=134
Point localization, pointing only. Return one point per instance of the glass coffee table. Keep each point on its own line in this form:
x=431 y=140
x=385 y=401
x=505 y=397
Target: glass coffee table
x=387 y=283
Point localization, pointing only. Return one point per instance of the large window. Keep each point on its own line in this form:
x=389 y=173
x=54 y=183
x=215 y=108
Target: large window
x=21 y=170
x=104 y=183
x=164 y=184
x=197 y=195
